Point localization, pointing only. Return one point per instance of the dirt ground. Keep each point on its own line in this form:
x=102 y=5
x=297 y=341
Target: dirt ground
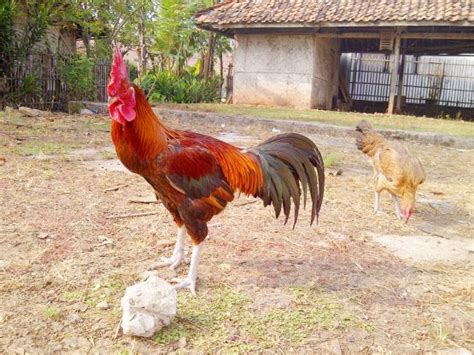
x=356 y=282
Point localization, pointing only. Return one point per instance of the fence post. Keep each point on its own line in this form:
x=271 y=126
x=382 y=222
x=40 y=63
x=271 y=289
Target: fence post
x=229 y=83
x=440 y=92
x=394 y=74
x=400 y=85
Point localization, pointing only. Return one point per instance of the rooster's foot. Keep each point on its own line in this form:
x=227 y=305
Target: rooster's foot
x=173 y=262
x=186 y=283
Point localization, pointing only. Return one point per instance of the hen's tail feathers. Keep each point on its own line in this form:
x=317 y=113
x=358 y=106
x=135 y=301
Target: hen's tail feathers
x=367 y=140
x=286 y=161
x=362 y=129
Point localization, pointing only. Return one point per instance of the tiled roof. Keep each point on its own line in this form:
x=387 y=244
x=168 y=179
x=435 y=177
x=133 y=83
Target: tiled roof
x=337 y=12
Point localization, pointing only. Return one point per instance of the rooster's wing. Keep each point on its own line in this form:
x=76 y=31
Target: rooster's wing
x=196 y=173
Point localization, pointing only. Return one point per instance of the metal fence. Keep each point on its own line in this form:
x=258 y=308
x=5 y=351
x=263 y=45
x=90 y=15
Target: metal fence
x=39 y=82
x=101 y=78
x=432 y=80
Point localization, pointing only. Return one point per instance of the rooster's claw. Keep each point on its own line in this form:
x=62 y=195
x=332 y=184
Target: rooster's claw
x=173 y=262
x=186 y=283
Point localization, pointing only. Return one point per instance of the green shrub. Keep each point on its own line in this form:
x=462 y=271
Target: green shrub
x=78 y=74
x=166 y=86
x=132 y=71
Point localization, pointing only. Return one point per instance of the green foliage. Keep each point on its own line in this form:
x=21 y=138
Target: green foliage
x=105 y=23
x=7 y=9
x=17 y=43
x=331 y=159
x=52 y=313
x=132 y=71
x=166 y=86
x=28 y=86
x=78 y=75
x=163 y=32
x=35 y=17
x=176 y=36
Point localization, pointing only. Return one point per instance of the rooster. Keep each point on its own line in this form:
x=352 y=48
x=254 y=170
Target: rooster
x=195 y=176
x=395 y=169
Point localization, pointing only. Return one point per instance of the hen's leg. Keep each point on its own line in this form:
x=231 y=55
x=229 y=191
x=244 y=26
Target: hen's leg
x=190 y=281
x=398 y=211
x=178 y=252
x=379 y=181
x=377 y=202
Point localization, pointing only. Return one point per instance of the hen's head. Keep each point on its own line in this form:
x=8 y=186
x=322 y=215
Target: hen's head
x=408 y=204
x=121 y=92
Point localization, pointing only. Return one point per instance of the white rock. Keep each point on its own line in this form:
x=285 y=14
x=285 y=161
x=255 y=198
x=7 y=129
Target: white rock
x=148 y=306
x=4 y=264
x=73 y=318
x=276 y=130
x=31 y=112
x=102 y=305
x=86 y=111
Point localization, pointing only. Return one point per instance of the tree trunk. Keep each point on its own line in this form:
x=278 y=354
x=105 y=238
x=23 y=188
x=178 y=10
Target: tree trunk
x=141 y=45
x=221 y=65
x=208 y=63
x=201 y=67
x=86 y=41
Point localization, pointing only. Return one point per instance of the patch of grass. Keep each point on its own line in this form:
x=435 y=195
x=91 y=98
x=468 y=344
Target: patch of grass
x=331 y=159
x=108 y=155
x=11 y=117
x=311 y=310
x=222 y=319
x=73 y=295
x=441 y=333
x=52 y=313
x=36 y=148
x=208 y=311
x=108 y=290
x=122 y=351
x=400 y=122
x=95 y=124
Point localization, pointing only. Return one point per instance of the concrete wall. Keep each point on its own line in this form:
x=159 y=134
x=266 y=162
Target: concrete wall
x=56 y=40
x=326 y=72
x=285 y=70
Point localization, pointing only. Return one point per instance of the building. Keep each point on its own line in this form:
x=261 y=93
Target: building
x=288 y=52
x=59 y=38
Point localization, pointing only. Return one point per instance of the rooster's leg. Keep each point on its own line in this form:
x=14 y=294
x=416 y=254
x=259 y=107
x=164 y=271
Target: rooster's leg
x=190 y=281
x=178 y=252
x=398 y=211
x=377 y=202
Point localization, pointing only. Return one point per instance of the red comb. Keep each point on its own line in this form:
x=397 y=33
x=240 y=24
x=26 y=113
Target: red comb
x=118 y=73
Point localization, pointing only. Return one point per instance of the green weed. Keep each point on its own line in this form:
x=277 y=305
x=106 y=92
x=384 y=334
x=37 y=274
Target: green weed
x=331 y=159
x=52 y=313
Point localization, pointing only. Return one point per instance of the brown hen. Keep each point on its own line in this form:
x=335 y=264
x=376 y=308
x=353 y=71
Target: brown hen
x=395 y=168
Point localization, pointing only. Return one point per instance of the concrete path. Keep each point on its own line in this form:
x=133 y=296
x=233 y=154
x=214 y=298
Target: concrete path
x=301 y=126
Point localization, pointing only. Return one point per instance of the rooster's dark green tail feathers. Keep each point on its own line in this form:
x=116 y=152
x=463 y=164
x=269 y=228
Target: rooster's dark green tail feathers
x=288 y=160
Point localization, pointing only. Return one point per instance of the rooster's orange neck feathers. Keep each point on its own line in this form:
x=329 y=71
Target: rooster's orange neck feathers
x=144 y=137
